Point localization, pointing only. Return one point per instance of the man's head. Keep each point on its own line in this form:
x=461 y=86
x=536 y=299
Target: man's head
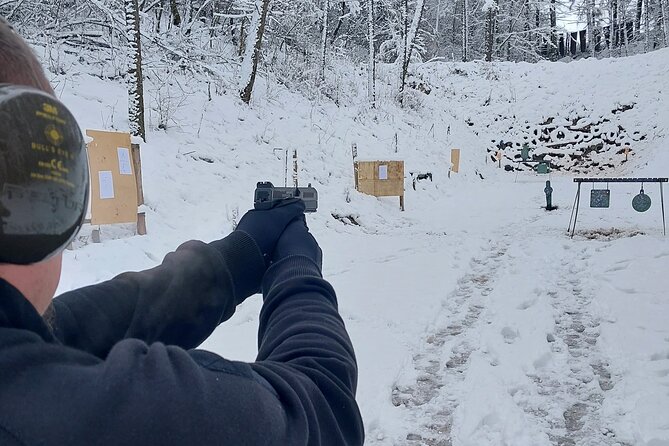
x=18 y=64
x=43 y=174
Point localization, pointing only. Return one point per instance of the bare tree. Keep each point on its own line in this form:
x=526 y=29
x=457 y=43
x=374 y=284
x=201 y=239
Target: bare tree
x=490 y=7
x=590 y=14
x=371 y=65
x=410 y=43
x=253 y=46
x=664 y=5
x=554 y=43
x=465 y=29
x=174 y=10
x=324 y=36
x=613 y=24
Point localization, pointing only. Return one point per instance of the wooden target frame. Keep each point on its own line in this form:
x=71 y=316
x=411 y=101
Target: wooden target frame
x=380 y=178
x=116 y=180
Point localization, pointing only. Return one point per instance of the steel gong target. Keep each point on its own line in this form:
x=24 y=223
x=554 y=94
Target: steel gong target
x=641 y=202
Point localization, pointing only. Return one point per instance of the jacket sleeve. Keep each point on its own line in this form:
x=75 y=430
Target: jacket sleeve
x=299 y=392
x=306 y=355
x=179 y=302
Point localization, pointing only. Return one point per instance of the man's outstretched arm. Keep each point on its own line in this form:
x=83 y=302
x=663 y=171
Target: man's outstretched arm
x=300 y=391
x=306 y=355
x=179 y=302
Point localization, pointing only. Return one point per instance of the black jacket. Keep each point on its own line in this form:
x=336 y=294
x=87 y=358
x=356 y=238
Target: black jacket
x=116 y=369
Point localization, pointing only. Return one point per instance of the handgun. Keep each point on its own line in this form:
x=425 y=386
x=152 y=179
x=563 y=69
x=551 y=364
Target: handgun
x=266 y=195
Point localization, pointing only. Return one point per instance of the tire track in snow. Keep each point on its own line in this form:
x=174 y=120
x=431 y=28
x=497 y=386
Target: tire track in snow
x=436 y=375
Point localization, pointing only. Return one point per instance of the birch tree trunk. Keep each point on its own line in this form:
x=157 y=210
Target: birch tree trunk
x=613 y=17
x=537 y=24
x=371 y=65
x=135 y=78
x=405 y=32
x=252 y=51
x=664 y=5
x=410 y=39
x=591 y=26
x=622 y=25
x=490 y=8
x=510 y=7
x=326 y=7
x=646 y=25
x=455 y=27
x=554 y=40
x=622 y=29
x=465 y=29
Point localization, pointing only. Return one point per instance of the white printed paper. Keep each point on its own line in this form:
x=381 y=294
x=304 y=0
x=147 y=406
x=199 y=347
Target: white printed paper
x=383 y=172
x=124 y=161
x=106 y=184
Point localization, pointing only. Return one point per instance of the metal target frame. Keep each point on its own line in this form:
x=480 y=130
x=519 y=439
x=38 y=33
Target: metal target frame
x=577 y=201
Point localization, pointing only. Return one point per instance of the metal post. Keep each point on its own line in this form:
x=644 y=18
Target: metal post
x=578 y=203
x=664 y=224
x=573 y=208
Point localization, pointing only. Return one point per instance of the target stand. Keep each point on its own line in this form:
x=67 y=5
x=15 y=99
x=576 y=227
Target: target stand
x=600 y=197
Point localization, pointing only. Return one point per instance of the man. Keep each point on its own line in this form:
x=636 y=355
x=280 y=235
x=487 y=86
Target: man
x=116 y=363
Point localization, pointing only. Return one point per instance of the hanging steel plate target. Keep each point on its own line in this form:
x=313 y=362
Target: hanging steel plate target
x=641 y=202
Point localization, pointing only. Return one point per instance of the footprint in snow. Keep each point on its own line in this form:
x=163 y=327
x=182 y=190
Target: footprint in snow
x=659 y=356
x=510 y=335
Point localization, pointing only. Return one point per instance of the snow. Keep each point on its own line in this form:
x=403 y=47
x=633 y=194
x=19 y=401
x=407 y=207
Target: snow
x=476 y=319
x=489 y=5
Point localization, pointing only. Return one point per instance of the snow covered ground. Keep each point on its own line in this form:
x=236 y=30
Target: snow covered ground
x=476 y=319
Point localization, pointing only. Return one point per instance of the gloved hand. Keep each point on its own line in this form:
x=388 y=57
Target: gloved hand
x=266 y=226
x=297 y=240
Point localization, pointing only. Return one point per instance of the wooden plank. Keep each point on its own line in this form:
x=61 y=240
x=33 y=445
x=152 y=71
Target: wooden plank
x=367 y=170
x=395 y=170
x=137 y=165
x=455 y=160
x=389 y=188
x=366 y=186
x=141 y=223
x=103 y=157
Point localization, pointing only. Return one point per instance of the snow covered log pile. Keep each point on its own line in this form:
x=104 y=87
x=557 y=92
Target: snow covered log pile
x=576 y=144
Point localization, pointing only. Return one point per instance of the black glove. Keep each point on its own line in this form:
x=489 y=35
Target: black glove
x=297 y=240
x=266 y=226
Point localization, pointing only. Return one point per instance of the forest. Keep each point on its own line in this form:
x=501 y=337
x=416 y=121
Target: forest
x=303 y=41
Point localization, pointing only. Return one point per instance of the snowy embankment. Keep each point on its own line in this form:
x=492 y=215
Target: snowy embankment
x=476 y=320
